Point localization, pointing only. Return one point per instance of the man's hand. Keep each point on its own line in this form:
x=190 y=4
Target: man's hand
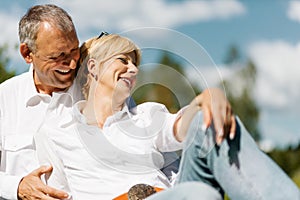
x=217 y=109
x=32 y=187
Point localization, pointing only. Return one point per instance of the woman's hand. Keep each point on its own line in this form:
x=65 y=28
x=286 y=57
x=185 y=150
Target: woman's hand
x=216 y=109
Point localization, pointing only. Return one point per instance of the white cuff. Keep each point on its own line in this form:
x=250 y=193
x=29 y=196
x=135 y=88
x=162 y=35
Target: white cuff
x=9 y=186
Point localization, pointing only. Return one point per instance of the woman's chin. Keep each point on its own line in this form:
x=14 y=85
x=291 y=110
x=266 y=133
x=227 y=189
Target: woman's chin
x=121 y=96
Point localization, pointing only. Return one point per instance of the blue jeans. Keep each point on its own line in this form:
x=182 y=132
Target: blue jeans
x=237 y=167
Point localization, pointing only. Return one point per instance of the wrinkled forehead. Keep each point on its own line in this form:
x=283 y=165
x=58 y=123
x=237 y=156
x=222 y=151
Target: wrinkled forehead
x=51 y=39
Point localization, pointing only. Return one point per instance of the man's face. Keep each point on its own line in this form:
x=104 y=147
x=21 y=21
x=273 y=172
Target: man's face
x=55 y=59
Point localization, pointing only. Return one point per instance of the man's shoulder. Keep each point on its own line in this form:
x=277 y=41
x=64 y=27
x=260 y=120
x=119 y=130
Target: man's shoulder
x=14 y=89
x=15 y=82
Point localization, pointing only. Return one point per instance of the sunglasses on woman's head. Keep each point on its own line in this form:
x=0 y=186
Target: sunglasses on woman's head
x=102 y=33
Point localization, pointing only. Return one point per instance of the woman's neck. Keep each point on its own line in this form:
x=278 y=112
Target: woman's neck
x=99 y=107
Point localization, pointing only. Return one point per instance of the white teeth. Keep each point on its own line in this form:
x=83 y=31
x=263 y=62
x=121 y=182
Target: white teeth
x=127 y=81
x=63 y=71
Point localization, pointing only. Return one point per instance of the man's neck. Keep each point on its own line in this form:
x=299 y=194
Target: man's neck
x=43 y=88
x=47 y=90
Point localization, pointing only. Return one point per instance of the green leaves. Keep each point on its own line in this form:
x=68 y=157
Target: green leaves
x=4 y=60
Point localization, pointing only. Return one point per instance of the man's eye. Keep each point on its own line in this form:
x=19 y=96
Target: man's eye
x=53 y=58
x=62 y=55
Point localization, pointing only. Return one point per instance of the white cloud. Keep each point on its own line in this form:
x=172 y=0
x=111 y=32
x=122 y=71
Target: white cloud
x=210 y=75
x=280 y=128
x=293 y=11
x=9 y=35
x=123 y=15
x=277 y=89
x=93 y=16
x=278 y=78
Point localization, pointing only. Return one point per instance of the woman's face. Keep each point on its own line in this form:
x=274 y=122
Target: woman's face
x=118 y=75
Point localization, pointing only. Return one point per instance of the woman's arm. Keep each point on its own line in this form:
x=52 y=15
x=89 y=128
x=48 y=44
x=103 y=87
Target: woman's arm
x=216 y=109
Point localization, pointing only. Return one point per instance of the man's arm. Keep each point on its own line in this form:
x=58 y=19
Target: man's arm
x=9 y=186
x=28 y=187
x=8 y=183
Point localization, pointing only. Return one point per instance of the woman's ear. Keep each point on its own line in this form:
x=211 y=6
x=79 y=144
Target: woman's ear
x=25 y=52
x=93 y=68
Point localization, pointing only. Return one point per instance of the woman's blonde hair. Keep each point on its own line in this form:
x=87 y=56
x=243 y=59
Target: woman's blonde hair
x=102 y=49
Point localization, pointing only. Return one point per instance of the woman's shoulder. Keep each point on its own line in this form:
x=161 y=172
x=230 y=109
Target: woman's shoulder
x=151 y=107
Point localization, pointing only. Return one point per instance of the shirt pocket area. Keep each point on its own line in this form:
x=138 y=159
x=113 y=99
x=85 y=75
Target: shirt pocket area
x=17 y=142
x=19 y=156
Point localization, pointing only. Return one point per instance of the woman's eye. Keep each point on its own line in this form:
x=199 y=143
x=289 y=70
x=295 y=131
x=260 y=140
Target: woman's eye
x=123 y=60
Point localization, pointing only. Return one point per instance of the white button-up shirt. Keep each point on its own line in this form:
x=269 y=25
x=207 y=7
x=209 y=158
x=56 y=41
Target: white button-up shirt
x=104 y=163
x=22 y=110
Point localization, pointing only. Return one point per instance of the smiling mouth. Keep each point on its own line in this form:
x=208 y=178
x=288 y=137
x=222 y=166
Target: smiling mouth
x=60 y=71
x=127 y=81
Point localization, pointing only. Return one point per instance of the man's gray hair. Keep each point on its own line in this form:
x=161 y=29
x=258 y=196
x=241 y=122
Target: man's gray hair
x=30 y=23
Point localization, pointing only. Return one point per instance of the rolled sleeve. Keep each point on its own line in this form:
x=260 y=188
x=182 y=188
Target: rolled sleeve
x=166 y=141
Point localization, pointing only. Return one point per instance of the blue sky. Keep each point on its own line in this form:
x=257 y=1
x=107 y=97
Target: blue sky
x=267 y=32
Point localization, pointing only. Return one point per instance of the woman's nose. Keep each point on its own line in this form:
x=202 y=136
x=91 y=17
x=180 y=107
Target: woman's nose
x=132 y=68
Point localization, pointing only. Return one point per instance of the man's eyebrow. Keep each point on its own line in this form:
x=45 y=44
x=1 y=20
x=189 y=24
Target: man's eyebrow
x=55 y=54
x=59 y=53
x=74 y=49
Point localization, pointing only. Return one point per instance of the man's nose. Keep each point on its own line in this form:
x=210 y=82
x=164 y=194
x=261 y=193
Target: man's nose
x=73 y=64
x=70 y=62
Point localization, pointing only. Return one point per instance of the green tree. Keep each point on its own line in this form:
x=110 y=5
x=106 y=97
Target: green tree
x=233 y=55
x=289 y=160
x=241 y=95
x=4 y=60
x=164 y=83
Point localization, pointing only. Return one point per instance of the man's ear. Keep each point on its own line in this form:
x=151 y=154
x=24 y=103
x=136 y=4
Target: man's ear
x=92 y=68
x=25 y=52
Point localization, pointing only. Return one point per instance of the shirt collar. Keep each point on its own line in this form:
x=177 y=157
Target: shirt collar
x=125 y=112
x=35 y=97
x=77 y=108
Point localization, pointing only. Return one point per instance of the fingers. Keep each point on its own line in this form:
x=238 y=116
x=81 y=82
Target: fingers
x=32 y=187
x=220 y=129
x=222 y=115
x=219 y=115
x=197 y=101
x=50 y=192
x=224 y=129
x=216 y=109
x=42 y=170
x=41 y=195
x=207 y=117
x=54 y=193
x=232 y=128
